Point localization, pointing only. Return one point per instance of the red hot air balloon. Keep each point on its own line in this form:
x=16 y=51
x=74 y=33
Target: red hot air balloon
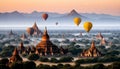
x=44 y=16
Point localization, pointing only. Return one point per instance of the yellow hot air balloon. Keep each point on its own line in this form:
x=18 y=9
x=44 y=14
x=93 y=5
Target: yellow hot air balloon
x=87 y=26
x=77 y=20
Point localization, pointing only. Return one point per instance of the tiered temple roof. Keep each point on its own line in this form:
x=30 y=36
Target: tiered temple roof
x=99 y=36
x=11 y=33
x=45 y=46
x=103 y=41
x=15 y=56
x=91 y=52
x=36 y=29
x=21 y=48
x=23 y=36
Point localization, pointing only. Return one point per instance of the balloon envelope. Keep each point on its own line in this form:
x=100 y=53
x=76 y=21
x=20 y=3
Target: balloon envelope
x=56 y=23
x=30 y=30
x=77 y=20
x=45 y=16
x=87 y=26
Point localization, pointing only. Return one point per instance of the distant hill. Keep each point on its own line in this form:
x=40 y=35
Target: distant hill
x=67 y=18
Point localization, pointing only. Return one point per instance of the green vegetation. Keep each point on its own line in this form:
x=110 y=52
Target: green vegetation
x=74 y=51
x=43 y=59
x=98 y=60
x=66 y=59
x=33 y=57
x=29 y=65
x=7 y=51
x=54 y=60
x=32 y=65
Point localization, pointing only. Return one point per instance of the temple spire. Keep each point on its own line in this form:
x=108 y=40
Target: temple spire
x=45 y=32
x=15 y=52
x=15 y=56
x=45 y=36
x=91 y=52
x=93 y=44
x=35 y=25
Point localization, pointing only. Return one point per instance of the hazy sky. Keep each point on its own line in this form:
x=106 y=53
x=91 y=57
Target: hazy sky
x=62 y=6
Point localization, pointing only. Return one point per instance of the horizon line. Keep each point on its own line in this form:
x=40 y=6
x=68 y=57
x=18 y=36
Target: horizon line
x=55 y=12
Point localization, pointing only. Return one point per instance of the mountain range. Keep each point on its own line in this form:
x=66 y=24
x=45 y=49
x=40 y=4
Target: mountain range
x=67 y=18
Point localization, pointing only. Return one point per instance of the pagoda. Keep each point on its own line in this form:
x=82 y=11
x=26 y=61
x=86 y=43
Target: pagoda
x=99 y=36
x=36 y=29
x=91 y=52
x=23 y=36
x=11 y=33
x=45 y=46
x=21 y=48
x=103 y=41
x=15 y=56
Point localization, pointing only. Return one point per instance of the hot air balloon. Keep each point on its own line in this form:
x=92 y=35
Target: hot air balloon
x=44 y=16
x=30 y=30
x=87 y=26
x=56 y=23
x=77 y=20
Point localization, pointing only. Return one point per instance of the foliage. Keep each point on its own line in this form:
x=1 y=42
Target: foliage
x=4 y=61
x=43 y=59
x=98 y=66
x=54 y=60
x=66 y=59
x=33 y=57
x=74 y=50
x=24 y=55
x=98 y=59
x=7 y=51
x=29 y=65
x=5 y=54
x=115 y=65
x=4 y=67
x=16 y=65
x=41 y=66
x=32 y=65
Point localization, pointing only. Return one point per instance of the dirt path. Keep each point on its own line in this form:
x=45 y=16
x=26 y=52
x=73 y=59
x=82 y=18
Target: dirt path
x=71 y=63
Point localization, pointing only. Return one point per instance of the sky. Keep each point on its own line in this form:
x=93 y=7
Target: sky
x=111 y=7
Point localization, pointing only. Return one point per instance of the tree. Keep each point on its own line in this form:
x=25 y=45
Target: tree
x=115 y=65
x=43 y=59
x=5 y=54
x=29 y=65
x=7 y=51
x=66 y=59
x=41 y=66
x=72 y=43
x=60 y=66
x=4 y=67
x=98 y=66
x=79 y=61
x=113 y=53
x=67 y=66
x=4 y=61
x=54 y=60
x=16 y=65
x=54 y=67
x=33 y=57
